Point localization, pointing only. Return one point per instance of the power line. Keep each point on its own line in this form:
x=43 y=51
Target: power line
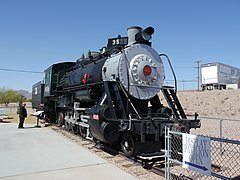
x=23 y=71
x=179 y=81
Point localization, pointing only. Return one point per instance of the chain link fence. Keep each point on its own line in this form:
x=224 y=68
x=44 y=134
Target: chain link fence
x=219 y=127
x=225 y=161
x=183 y=85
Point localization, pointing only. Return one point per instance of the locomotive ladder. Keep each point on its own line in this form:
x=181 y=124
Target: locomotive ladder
x=114 y=95
x=173 y=102
x=119 y=104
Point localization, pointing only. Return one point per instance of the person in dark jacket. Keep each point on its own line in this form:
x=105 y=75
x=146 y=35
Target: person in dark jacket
x=22 y=115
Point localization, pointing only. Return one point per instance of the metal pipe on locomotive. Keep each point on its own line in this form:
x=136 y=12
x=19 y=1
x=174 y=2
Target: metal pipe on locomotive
x=112 y=95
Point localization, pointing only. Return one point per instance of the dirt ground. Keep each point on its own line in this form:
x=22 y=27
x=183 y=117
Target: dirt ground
x=216 y=103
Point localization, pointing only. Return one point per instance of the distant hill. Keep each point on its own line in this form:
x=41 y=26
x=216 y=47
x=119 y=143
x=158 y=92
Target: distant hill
x=25 y=93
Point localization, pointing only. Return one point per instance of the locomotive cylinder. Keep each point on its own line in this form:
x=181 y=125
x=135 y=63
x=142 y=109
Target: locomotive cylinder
x=99 y=126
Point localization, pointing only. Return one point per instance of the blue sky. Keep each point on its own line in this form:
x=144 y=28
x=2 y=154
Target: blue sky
x=37 y=33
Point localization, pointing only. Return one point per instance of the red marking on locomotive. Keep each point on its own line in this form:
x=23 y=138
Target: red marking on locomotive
x=85 y=78
x=96 y=116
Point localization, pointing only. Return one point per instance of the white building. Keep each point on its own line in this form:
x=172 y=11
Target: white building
x=217 y=75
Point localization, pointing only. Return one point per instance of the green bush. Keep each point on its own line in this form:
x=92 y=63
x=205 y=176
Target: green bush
x=8 y=95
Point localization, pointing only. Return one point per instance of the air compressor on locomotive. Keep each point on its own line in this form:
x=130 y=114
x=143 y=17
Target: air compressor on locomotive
x=112 y=95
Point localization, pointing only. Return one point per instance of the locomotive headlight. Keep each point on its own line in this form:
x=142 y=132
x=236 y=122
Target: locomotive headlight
x=147 y=70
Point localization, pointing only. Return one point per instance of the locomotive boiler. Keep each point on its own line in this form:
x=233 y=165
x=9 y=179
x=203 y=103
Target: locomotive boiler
x=112 y=96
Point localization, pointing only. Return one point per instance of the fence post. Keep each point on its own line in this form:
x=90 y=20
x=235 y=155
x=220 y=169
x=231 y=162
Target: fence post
x=169 y=153
x=167 y=150
x=221 y=136
x=165 y=145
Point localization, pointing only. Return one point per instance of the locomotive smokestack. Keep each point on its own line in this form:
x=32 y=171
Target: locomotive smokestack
x=147 y=33
x=137 y=34
x=132 y=32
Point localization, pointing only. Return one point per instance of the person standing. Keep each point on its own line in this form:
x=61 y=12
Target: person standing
x=22 y=115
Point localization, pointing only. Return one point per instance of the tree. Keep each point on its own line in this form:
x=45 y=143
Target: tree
x=9 y=95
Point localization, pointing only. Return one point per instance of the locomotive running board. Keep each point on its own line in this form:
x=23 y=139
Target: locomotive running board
x=151 y=156
x=148 y=160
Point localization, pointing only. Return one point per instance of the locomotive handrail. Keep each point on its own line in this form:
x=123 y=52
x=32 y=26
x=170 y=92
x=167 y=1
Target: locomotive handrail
x=142 y=85
x=170 y=64
x=130 y=122
x=103 y=99
x=81 y=86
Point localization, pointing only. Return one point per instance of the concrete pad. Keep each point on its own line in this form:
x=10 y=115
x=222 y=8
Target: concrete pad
x=40 y=153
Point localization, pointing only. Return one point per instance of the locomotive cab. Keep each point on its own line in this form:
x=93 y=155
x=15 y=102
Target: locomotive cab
x=53 y=74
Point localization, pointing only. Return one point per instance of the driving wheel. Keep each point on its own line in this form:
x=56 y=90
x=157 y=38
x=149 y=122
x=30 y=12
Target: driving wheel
x=128 y=144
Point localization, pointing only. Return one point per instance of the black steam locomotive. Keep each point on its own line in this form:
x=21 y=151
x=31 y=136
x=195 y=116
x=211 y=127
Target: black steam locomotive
x=112 y=95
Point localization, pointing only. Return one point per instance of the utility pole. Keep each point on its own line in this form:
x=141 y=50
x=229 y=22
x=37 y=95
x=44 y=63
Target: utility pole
x=198 y=69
